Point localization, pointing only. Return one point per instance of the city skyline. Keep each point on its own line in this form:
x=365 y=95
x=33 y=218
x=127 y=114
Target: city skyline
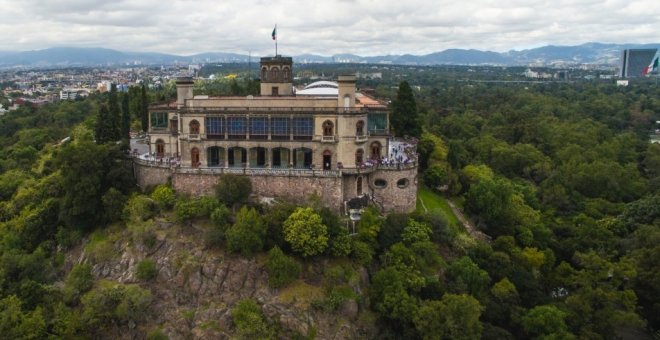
x=356 y=26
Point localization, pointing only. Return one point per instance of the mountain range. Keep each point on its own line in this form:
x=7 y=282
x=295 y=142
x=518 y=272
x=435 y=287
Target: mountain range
x=589 y=53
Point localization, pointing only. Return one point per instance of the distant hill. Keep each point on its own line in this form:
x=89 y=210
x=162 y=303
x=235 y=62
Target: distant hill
x=597 y=53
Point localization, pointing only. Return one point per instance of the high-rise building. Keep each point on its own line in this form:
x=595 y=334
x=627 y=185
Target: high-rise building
x=634 y=61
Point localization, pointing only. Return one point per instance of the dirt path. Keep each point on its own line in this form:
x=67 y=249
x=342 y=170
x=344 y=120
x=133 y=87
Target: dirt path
x=466 y=223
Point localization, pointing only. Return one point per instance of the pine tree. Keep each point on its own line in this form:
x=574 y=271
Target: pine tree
x=144 y=109
x=125 y=117
x=404 y=118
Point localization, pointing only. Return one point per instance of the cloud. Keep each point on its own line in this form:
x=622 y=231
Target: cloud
x=365 y=27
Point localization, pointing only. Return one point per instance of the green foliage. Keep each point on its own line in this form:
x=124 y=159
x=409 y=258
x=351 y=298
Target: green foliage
x=246 y=235
x=18 y=324
x=362 y=252
x=338 y=295
x=305 y=231
x=546 y=322
x=80 y=280
x=416 y=232
x=146 y=270
x=215 y=234
x=164 y=197
x=112 y=303
x=436 y=176
x=233 y=189
x=187 y=209
x=113 y=204
x=389 y=295
x=139 y=208
x=250 y=321
x=404 y=118
x=465 y=276
x=282 y=269
x=453 y=317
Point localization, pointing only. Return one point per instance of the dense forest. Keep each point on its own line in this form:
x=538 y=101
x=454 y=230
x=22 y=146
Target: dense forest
x=559 y=175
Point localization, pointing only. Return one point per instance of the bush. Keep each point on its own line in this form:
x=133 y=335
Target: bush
x=113 y=205
x=305 y=232
x=164 y=197
x=233 y=189
x=146 y=270
x=80 y=278
x=250 y=321
x=282 y=269
x=247 y=234
x=188 y=208
x=338 y=295
x=362 y=253
x=111 y=303
x=139 y=208
x=216 y=233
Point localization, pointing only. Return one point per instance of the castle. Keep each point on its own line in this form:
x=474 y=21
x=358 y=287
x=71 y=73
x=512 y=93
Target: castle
x=327 y=139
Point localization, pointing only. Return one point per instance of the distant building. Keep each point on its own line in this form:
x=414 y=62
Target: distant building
x=634 y=61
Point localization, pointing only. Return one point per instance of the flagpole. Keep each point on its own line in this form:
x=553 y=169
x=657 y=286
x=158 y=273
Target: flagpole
x=275 y=40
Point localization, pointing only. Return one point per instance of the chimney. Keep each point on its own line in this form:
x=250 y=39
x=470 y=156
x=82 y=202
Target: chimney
x=184 y=90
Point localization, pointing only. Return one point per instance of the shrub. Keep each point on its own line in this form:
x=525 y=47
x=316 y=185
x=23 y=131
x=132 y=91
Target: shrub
x=146 y=270
x=188 y=208
x=111 y=303
x=139 y=208
x=233 y=189
x=250 y=321
x=113 y=204
x=164 y=197
x=362 y=253
x=282 y=269
x=338 y=295
x=305 y=232
x=80 y=277
x=247 y=234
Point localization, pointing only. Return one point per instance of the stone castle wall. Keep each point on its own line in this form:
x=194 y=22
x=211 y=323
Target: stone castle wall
x=393 y=197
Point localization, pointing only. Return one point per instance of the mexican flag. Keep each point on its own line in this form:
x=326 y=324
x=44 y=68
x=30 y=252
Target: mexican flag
x=275 y=33
x=653 y=66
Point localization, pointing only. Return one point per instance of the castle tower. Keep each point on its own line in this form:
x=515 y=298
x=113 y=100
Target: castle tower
x=346 y=88
x=184 y=90
x=276 y=76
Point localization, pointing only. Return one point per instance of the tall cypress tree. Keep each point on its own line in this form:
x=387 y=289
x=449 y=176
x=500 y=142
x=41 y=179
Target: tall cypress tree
x=114 y=114
x=404 y=118
x=125 y=117
x=103 y=128
x=144 y=109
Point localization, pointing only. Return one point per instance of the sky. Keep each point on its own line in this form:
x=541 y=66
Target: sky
x=363 y=27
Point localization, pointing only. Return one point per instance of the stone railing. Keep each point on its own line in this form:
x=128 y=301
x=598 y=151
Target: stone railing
x=259 y=172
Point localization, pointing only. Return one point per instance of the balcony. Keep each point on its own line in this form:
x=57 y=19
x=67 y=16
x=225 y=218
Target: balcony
x=359 y=139
x=327 y=139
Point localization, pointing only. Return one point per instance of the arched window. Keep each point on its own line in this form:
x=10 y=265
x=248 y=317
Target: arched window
x=160 y=148
x=328 y=128
x=347 y=102
x=375 y=150
x=359 y=157
x=194 y=158
x=359 y=128
x=285 y=73
x=275 y=74
x=264 y=74
x=194 y=127
x=359 y=186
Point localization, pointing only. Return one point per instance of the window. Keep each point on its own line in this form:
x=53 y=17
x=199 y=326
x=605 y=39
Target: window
x=302 y=158
x=375 y=150
x=359 y=186
x=264 y=74
x=215 y=156
x=279 y=128
x=327 y=128
x=194 y=158
x=285 y=74
x=377 y=123
x=359 y=128
x=275 y=73
x=380 y=183
x=275 y=91
x=194 y=127
x=215 y=127
x=259 y=128
x=257 y=157
x=280 y=158
x=359 y=157
x=347 y=102
x=237 y=127
x=402 y=183
x=160 y=148
x=159 y=120
x=303 y=128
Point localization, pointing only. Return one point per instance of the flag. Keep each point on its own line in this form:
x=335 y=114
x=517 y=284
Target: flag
x=275 y=33
x=653 y=66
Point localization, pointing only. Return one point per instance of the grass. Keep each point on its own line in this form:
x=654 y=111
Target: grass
x=301 y=294
x=435 y=203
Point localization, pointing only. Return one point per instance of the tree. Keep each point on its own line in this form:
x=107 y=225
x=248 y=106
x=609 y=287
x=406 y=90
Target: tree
x=546 y=322
x=306 y=233
x=416 y=232
x=466 y=277
x=389 y=294
x=404 y=118
x=18 y=324
x=103 y=130
x=114 y=114
x=144 y=109
x=233 y=189
x=247 y=234
x=453 y=317
x=125 y=118
x=282 y=269
x=164 y=197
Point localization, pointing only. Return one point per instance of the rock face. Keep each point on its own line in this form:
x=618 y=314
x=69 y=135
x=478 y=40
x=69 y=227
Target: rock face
x=196 y=288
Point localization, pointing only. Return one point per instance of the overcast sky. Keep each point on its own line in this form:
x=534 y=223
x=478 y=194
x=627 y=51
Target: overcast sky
x=364 y=27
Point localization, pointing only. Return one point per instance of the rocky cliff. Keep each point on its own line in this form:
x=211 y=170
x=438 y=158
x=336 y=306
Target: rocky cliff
x=196 y=288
